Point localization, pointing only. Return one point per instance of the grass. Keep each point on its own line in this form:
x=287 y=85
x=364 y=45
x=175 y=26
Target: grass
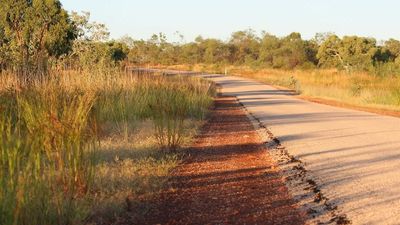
x=357 y=88
x=131 y=173
x=84 y=147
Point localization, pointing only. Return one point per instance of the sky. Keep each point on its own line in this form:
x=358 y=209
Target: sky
x=219 y=18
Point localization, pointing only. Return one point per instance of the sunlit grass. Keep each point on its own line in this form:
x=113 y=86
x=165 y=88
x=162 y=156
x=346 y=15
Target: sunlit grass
x=80 y=143
x=359 y=89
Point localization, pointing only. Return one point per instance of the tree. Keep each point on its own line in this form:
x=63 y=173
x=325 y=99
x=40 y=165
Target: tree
x=246 y=46
x=118 y=51
x=92 y=49
x=351 y=52
x=35 y=30
x=359 y=52
x=320 y=38
x=140 y=53
x=214 y=51
x=288 y=52
x=190 y=53
x=294 y=50
x=311 y=51
x=329 y=54
x=155 y=50
x=392 y=46
x=268 y=47
x=89 y=31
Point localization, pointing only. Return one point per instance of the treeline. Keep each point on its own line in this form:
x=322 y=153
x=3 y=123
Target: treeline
x=268 y=51
x=36 y=35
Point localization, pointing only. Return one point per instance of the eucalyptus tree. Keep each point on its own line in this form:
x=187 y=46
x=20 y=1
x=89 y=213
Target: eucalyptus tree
x=329 y=54
x=33 y=31
x=350 y=52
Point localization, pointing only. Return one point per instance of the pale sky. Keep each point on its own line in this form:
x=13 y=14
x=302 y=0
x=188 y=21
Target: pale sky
x=219 y=18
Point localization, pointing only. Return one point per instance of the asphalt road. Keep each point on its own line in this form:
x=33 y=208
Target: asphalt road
x=354 y=156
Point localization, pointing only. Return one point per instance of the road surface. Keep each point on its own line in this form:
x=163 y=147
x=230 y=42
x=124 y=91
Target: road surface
x=353 y=156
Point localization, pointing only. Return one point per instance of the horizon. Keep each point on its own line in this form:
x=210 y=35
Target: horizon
x=209 y=19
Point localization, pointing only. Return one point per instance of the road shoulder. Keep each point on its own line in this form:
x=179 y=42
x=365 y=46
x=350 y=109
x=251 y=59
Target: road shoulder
x=229 y=177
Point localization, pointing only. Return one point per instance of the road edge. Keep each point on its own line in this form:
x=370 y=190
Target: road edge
x=300 y=183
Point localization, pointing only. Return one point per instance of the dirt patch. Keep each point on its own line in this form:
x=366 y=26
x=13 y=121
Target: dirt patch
x=229 y=178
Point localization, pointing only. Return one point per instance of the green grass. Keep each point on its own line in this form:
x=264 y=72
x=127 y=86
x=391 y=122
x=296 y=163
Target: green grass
x=46 y=153
x=75 y=146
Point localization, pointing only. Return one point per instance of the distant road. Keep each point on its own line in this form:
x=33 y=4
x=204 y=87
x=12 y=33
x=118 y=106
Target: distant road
x=354 y=156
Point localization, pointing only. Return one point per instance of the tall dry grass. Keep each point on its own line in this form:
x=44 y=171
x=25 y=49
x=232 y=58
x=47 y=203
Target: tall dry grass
x=357 y=88
x=51 y=132
x=46 y=154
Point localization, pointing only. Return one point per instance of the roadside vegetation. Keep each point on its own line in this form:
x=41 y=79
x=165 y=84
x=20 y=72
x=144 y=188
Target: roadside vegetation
x=81 y=140
x=84 y=143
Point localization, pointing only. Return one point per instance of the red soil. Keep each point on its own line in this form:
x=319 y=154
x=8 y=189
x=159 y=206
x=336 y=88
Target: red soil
x=229 y=178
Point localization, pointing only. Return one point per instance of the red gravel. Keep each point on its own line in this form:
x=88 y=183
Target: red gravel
x=229 y=178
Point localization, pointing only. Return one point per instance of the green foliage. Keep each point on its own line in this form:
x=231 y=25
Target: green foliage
x=269 y=44
x=243 y=48
x=358 y=52
x=89 y=55
x=246 y=46
x=328 y=53
x=214 y=51
x=288 y=52
x=190 y=54
x=145 y=52
x=393 y=47
x=32 y=31
x=325 y=50
x=349 y=53
x=92 y=50
x=74 y=42
x=87 y=30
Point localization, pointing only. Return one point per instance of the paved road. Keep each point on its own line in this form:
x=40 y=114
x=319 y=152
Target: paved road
x=354 y=156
